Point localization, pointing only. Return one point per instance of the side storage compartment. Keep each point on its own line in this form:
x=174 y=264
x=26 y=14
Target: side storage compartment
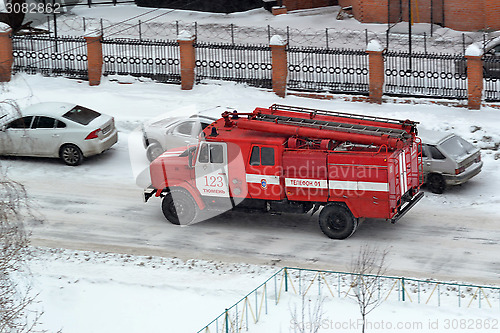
x=360 y=179
x=305 y=173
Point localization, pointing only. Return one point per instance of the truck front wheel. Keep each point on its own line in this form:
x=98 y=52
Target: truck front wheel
x=179 y=207
x=337 y=222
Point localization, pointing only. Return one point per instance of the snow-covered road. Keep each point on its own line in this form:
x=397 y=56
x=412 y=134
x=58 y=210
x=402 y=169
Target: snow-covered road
x=97 y=206
x=455 y=244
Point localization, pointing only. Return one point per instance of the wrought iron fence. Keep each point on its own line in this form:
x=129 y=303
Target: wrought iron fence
x=429 y=75
x=336 y=285
x=250 y=64
x=491 y=79
x=62 y=56
x=157 y=60
x=328 y=70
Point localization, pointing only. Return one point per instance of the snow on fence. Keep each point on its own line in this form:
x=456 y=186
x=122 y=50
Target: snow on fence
x=155 y=59
x=336 y=285
x=50 y=56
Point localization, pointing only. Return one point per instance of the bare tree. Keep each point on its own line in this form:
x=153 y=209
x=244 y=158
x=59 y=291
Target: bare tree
x=15 y=297
x=368 y=267
x=308 y=319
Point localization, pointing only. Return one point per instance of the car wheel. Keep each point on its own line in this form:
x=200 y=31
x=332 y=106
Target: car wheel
x=337 y=222
x=436 y=183
x=71 y=155
x=179 y=207
x=153 y=151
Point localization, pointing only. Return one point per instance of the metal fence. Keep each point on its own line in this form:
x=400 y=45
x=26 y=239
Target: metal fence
x=310 y=69
x=491 y=79
x=328 y=70
x=50 y=56
x=336 y=285
x=157 y=60
x=429 y=75
x=250 y=64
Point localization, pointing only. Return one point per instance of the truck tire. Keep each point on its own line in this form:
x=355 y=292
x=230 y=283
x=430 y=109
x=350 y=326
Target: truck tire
x=179 y=207
x=337 y=222
x=436 y=183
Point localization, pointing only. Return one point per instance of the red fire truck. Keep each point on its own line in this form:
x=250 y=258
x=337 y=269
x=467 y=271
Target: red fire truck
x=296 y=160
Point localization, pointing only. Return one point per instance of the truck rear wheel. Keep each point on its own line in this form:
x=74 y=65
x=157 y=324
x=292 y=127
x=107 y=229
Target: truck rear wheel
x=337 y=222
x=179 y=207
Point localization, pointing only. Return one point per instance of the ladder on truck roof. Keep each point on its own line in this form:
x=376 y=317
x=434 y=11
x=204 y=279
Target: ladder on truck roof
x=308 y=111
x=334 y=126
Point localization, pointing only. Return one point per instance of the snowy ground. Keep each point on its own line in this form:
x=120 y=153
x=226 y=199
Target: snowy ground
x=97 y=206
x=102 y=292
x=303 y=28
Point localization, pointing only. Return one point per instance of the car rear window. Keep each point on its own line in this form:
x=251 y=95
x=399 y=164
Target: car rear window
x=81 y=115
x=457 y=147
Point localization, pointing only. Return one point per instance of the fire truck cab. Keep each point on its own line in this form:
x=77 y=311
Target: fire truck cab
x=296 y=160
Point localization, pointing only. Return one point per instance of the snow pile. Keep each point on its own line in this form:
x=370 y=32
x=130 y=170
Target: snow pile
x=4 y=27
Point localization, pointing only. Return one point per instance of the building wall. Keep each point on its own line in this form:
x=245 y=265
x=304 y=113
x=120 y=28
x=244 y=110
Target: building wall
x=464 y=15
x=305 y=4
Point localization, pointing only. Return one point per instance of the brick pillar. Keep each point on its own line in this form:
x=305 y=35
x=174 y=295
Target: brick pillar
x=6 y=58
x=280 y=65
x=474 y=53
x=188 y=59
x=277 y=10
x=376 y=71
x=94 y=59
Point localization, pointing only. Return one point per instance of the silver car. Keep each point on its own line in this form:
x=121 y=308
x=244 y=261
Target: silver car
x=169 y=133
x=68 y=131
x=447 y=159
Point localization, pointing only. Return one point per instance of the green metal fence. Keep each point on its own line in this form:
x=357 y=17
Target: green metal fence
x=248 y=310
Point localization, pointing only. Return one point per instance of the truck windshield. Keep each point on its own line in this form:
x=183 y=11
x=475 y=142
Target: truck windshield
x=457 y=147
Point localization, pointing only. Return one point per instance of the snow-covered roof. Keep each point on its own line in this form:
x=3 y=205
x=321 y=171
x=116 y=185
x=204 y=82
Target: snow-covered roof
x=432 y=137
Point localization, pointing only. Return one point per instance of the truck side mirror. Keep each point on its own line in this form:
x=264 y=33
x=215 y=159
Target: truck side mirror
x=191 y=156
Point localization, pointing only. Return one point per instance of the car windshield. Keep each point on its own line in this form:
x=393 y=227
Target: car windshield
x=457 y=147
x=81 y=115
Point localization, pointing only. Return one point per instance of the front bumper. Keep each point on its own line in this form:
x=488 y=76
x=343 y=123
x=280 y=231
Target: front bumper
x=464 y=176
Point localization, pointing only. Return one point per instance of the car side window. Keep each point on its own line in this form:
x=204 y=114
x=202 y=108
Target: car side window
x=184 y=128
x=435 y=153
x=60 y=124
x=44 y=122
x=421 y=149
x=21 y=123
